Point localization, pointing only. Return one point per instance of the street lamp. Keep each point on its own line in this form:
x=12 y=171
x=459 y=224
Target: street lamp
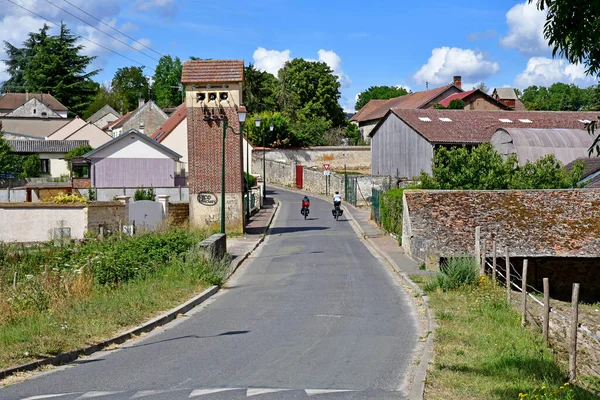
x=242 y=119
x=271 y=127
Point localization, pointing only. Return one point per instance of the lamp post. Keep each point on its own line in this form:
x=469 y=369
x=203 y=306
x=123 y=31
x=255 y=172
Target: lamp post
x=242 y=119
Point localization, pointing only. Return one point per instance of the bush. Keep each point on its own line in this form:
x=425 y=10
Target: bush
x=63 y=198
x=31 y=166
x=251 y=179
x=144 y=194
x=392 y=210
x=92 y=194
x=454 y=273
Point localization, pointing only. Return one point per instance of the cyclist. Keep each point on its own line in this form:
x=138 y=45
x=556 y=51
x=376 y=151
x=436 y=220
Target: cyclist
x=337 y=201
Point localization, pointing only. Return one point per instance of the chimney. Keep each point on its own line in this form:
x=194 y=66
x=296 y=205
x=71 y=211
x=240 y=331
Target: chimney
x=26 y=96
x=458 y=82
x=141 y=102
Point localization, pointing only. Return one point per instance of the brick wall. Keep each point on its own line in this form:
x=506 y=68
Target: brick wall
x=179 y=213
x=108 y=214
x=205 y=153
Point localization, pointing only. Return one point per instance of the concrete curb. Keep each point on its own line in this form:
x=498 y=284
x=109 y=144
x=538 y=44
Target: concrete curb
x=236 y=264
x=154 y=323
x=121 y=338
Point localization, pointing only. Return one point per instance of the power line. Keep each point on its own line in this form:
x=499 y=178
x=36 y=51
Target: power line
x=112 y=27
x=100 y=30
x=79 y=36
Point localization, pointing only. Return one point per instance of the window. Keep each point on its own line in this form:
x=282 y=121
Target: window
x=506 y=120
x=445 y=120
x=34 y=111
x=425 y=119
x=526 y=121
x=44 y=114
x=45 y=166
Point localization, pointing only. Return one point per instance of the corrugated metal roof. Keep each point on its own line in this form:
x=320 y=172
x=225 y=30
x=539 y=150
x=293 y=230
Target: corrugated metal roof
x=45 y=146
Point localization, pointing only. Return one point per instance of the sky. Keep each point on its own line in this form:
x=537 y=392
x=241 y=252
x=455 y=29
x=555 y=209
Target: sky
x=381 y=42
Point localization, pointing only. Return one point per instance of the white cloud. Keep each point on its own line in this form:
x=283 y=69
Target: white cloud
x=542 y=71
x=526 y=30
x=446 y=62
x=142 y=44
x=273 y=60
x=405 y=87
x=270 y=61
x=335 y=63
x=145 y=5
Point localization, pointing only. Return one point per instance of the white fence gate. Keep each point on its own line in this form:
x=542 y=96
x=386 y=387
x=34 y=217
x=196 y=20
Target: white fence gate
x=145 y=214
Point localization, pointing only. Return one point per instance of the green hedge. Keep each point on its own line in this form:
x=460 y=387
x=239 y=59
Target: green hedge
x=251 y=179
x=391 y=210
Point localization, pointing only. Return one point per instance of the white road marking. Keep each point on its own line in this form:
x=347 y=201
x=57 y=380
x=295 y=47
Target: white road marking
x=313 y=392
x=256 y=392
x=90 y=395
x=202 y=392
x=48 y=396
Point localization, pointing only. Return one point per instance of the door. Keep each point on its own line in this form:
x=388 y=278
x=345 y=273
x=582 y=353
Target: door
x=299 y=176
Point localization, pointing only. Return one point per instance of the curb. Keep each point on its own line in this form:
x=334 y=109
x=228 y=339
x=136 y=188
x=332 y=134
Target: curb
x=417 y=390
x=121 y=338
x=236 y=264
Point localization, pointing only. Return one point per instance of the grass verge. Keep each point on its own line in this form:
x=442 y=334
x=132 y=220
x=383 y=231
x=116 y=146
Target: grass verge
x=50 y=311
x=482 y=352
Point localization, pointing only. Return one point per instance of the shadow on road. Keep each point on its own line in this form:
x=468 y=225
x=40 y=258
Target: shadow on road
x=292 y=229
x=230 y=333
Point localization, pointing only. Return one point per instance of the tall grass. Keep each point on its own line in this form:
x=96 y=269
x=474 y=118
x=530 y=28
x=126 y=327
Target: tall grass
x=454 y=273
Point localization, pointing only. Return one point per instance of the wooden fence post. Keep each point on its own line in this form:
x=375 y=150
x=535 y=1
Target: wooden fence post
x=574 y=325
x=494 y=261
x=483 y=257
x=15 y=280
x=478 y=246
x=546 y=316
x=524 y=293
x=508 y=288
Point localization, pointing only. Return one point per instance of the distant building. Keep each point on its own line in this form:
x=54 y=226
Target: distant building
x=78 y=129
x=32 y=126
x=508 y=96
x=31 y=105
x=104 y=116
x=591 y=171
x=145 y=119
x=51 y=152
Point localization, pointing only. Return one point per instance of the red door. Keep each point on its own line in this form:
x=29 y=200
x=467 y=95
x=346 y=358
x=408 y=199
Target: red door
x=299 y=176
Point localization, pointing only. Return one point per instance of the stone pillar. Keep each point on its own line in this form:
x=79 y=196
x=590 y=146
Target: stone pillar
x=213 y=98
x=124 y=200
x=163 y=199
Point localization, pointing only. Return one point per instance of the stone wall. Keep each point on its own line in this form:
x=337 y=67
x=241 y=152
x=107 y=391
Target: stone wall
x=107 y=214
x=355 y=157
x=179 y=213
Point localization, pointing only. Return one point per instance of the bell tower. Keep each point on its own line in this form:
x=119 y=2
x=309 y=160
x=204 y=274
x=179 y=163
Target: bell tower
x=214 y=107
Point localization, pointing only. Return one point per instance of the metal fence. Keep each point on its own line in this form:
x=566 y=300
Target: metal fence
x=376 y=194
x=350 y=186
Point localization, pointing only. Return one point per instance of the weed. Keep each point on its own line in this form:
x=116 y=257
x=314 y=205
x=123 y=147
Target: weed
x=454 y=273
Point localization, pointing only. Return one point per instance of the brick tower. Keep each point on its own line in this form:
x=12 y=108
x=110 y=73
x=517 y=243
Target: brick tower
x=213 y=98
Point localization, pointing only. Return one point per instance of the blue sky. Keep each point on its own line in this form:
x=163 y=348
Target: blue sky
x=366 y=43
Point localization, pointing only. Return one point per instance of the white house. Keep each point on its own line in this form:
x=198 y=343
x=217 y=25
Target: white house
x=79 y=129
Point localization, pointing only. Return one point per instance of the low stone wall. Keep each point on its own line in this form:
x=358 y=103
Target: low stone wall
x=35 y=222
x=355 y=157
x=215 y=246
x=179 y=194
x=277 y=172
x=179 y=213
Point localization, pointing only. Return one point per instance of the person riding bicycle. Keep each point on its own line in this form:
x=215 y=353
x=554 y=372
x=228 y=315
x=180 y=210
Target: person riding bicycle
x=305 y=202
x=337 y=199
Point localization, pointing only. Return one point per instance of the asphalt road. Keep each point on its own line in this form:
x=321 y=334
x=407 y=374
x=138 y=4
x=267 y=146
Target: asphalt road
x=312 y=314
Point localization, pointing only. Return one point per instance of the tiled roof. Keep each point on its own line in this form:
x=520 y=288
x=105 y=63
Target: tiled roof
x=45 y=146
x=544 y=223
x=459 y=126
x=212 y=71
x=11 y=101
x=379 y=108
x=591 y=165
x=101 y=113
x=455 y=96
x=167 y=127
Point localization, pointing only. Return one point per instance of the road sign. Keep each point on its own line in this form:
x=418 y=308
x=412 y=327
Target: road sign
x=326 y=167
x=327 y=172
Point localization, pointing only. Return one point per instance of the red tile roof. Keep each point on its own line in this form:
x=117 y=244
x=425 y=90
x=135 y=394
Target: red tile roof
x=11 y=101
x=169 y=125
x=472 y=127
x=543 y=223
x=379 y=108
x=212 y=71
x=455 y=96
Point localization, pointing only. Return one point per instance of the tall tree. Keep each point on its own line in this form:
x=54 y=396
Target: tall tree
x=557 y=97
x=9 y=162
x=378 y=93
x=105 y=96
x=167 y=78
x=131 y=84
x=52 y=64
x=313 y=90
x=260 y=90
x=482 y=86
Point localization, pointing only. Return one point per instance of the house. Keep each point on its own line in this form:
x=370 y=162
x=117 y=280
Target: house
x=591 y=171
x=51 y=152
x=31 y=105
x=145 y=119
x=79 y=129
x=558 y=231
x=508 y=96
x=173 y=134
x=370 y=115
x=530 y=144
x=32 y=126
x=475 y=100
x=104 y=116
x=131 y=160
x=404 y=141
